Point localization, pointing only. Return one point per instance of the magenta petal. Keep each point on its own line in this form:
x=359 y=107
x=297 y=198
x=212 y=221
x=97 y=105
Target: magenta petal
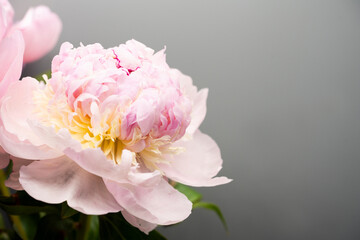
x=161 y=204
x=41 y=29
x=11 y=60
x=198 y=164
x=60 y=179
x=144 y=226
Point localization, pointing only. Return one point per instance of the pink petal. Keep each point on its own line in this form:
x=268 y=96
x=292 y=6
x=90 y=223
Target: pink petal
x=145 y=116
x=11 y=60
x=144 y=226
x=13 y=180
x=197 y=166
x=4 y=158
x=17 y=107
x=41 y=29
x=6 y=17
x=24 y=149
x=16 y=136
x=93 y=160
x=58 y=180
x=161 y=204
x=198 y=111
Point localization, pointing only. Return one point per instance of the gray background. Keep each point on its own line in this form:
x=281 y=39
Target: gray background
x=284 y=104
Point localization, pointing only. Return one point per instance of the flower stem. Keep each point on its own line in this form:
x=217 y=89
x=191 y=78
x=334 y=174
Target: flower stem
x=15 y=219
x=85 y=222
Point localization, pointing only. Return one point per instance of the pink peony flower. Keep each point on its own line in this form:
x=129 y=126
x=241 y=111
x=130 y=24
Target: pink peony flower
x=107 y=132
x=40 y=29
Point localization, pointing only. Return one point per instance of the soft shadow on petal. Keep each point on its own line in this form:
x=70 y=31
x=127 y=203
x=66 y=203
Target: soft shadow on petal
x=4 y=158
x=13 y=180
x=159 y=205
x=198 y=164
x=144 y=226
x=11 y=60
x=60 y=179
x=41 y=29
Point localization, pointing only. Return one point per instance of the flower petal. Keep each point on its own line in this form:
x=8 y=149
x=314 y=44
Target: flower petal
x=197 y=166
x=16 y=136
x=60 y=179
x=198 y=111
x=13 y=180
x=93 y=160
x=11 y=60
x=6 y=17
x=161 y=204
x=144 y=226
x=4 y=158
x=17 y=107
x=24 y=149
x=41 y=29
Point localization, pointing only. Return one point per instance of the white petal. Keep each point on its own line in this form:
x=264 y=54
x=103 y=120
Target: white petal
x=143 y=225
x=160 y=204
x=198 y=164
x=59 y=180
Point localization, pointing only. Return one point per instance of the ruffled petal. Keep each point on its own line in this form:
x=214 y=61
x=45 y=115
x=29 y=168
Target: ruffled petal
x=198 y=164
x=144 y=226
x=11 y=60
x=161 y=204
x=60 y=179
x=41 y=29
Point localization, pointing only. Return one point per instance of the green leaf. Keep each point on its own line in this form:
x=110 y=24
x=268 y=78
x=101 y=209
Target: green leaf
x=155 y=235
x=212 y=207
x=190 y=193
x=67 y=211
x=24 y=210
x=29 y=223
x=114 y=226
x=22 y=204
x=94 y=228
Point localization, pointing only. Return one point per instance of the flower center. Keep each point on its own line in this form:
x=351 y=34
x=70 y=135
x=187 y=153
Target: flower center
x=53 y=110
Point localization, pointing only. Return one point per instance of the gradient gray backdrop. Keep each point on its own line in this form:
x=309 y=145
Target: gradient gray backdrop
x=284 y=103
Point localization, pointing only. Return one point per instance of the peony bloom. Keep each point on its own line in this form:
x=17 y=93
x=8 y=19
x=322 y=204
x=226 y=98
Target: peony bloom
x=40 y=29
x=107 y=132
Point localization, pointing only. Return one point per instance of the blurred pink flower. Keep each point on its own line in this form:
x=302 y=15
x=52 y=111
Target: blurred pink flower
x=107 y=131
x=40 y=29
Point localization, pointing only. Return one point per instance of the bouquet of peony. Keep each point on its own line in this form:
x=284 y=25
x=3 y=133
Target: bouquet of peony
x=105 y=146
